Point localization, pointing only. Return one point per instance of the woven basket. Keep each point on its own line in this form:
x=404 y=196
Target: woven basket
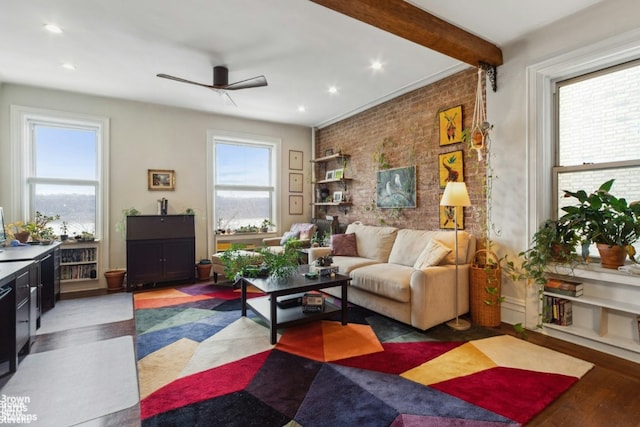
x=485 y=275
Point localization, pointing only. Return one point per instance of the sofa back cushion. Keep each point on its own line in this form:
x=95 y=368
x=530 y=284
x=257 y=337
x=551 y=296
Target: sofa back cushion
x=373 y=242
x=466 y=245
x=344 y=245
x=407 y=246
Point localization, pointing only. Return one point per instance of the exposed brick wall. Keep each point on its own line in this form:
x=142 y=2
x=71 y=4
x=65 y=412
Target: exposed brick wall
x=410 y=125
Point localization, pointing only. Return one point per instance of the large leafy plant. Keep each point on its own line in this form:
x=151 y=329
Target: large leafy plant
x=601 y=217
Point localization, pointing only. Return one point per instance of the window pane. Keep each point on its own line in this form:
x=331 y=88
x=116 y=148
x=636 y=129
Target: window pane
x=74 y=204
x=65 y=152
x=240 y=208
x=599 y=118
x=243 y=165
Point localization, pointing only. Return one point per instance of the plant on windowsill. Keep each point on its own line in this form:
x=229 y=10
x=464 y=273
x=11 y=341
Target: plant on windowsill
x=64 y=227
x=39 y=228
x=609 y=222
x=266 y=223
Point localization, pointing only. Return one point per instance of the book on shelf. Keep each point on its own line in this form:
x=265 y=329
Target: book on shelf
x=561 y=291
x=557 y=310
x=564 y=287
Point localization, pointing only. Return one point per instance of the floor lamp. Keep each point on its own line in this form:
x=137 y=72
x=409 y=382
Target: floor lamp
x=455 y=194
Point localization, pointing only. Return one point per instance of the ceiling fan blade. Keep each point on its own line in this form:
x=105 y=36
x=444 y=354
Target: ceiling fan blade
x=249 y=83
x=227 y=98
x=178 y=79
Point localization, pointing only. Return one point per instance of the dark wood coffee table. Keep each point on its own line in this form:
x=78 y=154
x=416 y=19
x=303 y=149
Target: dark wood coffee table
x=267 y=308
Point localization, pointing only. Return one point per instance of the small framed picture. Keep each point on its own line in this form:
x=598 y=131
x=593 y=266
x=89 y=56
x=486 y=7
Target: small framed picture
x=338 y=173
x=161 y=179
x=295 y=160
x=295 y=205
x=451 y=125
x=329 y=175
x=337 y=196
x=295 y=183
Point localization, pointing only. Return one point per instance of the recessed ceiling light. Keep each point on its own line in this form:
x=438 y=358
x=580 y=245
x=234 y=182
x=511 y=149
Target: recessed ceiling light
x=376 y=65
x=333 y=89
x=53 y=28
x=301 y=108
x=68 y=66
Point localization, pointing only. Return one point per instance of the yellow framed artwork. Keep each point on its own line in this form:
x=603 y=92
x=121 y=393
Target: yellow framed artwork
x=451 y=125
x=447 y=214
x=451 y=167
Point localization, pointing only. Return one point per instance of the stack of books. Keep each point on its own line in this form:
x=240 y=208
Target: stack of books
x=564 y=287
x=557 y=310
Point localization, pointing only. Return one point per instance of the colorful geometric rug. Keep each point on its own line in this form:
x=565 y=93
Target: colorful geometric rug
x=201 y=363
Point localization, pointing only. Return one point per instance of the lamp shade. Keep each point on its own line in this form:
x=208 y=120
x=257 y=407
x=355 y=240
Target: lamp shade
x=455 y=194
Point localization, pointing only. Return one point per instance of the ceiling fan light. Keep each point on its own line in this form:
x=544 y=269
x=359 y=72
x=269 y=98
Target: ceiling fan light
x=53 y=28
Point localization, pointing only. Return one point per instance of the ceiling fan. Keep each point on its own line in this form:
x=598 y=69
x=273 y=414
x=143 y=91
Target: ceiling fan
x=221 y=82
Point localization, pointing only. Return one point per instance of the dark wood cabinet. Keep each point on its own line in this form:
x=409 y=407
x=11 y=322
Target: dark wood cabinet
x=160 y=248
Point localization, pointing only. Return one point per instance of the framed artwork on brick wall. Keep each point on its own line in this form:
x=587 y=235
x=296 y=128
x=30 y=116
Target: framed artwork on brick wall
x=451 y=167
x=451 y=125
x=446 y=217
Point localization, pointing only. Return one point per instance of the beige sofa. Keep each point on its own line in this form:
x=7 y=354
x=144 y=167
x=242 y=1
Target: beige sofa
x=384 y=280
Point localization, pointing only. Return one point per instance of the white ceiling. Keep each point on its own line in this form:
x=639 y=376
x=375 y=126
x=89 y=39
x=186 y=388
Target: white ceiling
x=302 y=49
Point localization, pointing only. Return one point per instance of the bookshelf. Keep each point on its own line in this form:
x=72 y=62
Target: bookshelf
x=606 y=316
x=79 y=266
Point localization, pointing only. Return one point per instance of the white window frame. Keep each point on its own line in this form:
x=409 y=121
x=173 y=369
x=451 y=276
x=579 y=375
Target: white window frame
x=22 y=165
x=541 y=79
x=213 y=136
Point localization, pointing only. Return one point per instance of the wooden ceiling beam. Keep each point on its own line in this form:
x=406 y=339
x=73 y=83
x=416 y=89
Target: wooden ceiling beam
x=412 y=23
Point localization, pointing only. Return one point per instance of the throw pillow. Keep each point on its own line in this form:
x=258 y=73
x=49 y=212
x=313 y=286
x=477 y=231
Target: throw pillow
x=431 y=255
x=344 y=245
x=288 y=235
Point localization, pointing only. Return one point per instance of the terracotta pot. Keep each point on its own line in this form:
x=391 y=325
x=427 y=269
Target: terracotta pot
x=204 y=271
x=115 y=278
x=611 y=256
x=22 y=237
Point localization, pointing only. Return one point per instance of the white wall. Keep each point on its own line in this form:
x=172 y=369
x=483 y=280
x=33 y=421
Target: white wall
x=520 y=190
x=145 y=136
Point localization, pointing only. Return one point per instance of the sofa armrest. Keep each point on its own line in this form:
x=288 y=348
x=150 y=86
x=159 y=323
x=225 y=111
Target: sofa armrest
x=271 y=241
x=432 y=294
x=317 y=252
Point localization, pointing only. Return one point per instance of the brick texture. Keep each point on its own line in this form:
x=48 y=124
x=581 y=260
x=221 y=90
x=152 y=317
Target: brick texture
x=406 y=130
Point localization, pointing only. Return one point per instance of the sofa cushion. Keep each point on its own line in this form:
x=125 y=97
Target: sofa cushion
x=288 y=235
x=447 y=238
x=344 y=245
x=305 y=230
x=373 y=242
x=431 y=255
x=350 y=263
x=388 y=280
x=407 y=246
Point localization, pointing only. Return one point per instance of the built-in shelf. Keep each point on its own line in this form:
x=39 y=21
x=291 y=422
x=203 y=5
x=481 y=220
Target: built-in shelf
x=79 y=262
x=607 y=316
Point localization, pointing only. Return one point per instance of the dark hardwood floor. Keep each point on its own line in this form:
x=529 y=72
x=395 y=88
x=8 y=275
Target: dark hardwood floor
x=608 y=395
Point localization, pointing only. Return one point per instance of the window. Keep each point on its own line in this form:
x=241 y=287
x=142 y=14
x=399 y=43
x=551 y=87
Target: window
x=244 y=182
x=62 y=169
x=598 y=132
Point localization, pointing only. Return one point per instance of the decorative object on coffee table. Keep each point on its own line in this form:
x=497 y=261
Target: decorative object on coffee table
x=456 y=195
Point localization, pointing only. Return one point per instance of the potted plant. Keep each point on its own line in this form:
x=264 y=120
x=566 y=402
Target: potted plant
x=285 y=263
x=204 y=269
x=64 y=227
x=39 y=228
x=609 y=222
x=266 y=223
x=115 y=279
x=17 y=231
